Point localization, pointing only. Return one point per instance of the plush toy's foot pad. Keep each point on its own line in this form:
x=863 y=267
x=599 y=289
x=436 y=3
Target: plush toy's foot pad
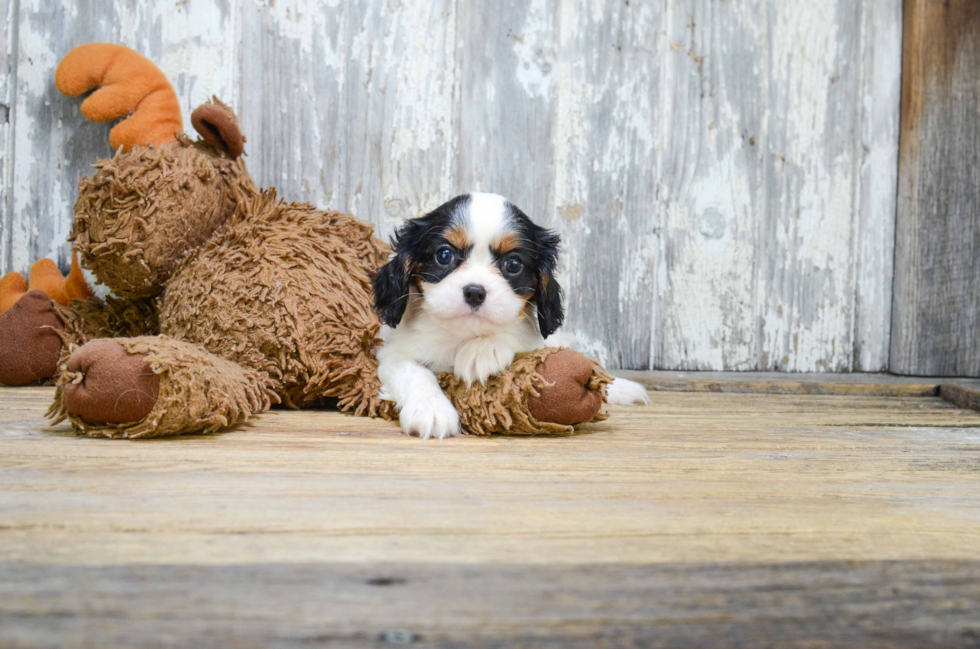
x=569 y=401
x=29 y=342
x=108 y=385
x=154 y=386
x=543 y=392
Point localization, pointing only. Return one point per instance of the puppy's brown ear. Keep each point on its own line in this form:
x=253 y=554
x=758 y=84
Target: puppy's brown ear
x=218 y=126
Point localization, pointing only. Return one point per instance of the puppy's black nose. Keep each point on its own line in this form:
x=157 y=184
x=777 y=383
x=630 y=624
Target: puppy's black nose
x=474 y=294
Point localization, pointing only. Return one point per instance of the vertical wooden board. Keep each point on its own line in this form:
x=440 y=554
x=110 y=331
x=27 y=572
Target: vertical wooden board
x=761 y=184
x=507 y=51
x=936 y=305
x=606 y=139
x=293 y=61
x=400 y=99
x=54 y=145
x=8 y=37
x=881 y=69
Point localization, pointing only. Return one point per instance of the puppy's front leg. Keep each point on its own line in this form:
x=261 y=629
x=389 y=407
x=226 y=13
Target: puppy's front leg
x=423 y=409
x=481 y=358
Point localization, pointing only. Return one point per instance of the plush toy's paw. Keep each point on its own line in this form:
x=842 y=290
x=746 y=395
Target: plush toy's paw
x=12 y=288
x=429 y=417
x=569 y=401
x=623 y=392
x=30 y=345
x=479 y=359
x=109 y=385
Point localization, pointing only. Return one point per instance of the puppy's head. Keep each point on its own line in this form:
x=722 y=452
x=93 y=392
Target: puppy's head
x=477 y=260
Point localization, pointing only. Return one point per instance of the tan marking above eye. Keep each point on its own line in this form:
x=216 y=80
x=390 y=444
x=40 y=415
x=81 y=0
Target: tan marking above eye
x=458 y=237
x=505 y=243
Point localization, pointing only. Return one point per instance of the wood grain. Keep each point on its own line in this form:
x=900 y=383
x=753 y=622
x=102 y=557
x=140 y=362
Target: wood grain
x=964 y=395
x=695 y=477
x=762 y=228
x=936 y=311
x=714 y=519
x=915 y=604
x=723 y=174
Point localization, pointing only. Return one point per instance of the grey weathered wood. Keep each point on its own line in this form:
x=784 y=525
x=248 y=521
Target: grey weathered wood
x=350 y=106
x=722 y=173
x=913 y=604
x=8 y=36
x=608 y=191
x=936 y=311
x=874 y=234
x=765 y=245
x=857 y=384
x=53 y=145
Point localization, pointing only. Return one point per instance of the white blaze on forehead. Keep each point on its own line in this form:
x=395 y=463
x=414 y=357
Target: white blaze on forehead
x=487 y=220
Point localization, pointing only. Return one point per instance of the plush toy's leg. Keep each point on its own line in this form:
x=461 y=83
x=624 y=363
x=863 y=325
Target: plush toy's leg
x=345 y=369
x=154 y=386
x=547 y=391
x=36 y=330
x=30 y=340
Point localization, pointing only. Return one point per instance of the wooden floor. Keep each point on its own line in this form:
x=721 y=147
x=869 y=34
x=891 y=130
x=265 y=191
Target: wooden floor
x=707 y=519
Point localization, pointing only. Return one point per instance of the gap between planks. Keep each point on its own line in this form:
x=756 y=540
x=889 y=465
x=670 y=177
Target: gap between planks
x=964 y=393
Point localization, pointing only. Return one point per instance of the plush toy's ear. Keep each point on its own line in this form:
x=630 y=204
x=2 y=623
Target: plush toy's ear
x=218 y=126
x=548 y=298
x=391 y=287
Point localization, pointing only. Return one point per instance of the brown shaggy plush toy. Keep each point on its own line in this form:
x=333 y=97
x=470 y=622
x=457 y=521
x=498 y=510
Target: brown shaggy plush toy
x=225 y=299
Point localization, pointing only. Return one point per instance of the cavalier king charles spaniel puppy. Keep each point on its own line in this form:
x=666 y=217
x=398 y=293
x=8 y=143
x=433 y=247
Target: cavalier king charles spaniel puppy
x=468 y=286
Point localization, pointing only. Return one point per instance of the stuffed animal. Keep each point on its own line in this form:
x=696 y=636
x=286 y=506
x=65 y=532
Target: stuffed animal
x=225 y=299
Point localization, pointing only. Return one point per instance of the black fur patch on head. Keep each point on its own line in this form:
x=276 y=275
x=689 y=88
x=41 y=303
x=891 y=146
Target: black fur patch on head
x=537 y=250
x=415 y=246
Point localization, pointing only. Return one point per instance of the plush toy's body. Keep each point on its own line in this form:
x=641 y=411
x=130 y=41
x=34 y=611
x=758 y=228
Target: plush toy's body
x=225 y=299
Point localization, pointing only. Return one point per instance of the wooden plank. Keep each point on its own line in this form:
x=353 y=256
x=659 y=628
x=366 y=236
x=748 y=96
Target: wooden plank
x=965 y=395
x=8 y=81
x=356 y=104
x=879 y=385
x=506 y=58
x=606 y=157
x=766 y=244
x=55 y=146
x=703 y=519
x=874 y=230
x=936 y=311
x=693 y=478
x=293 y=65
x=401 y=97
x=916 y=604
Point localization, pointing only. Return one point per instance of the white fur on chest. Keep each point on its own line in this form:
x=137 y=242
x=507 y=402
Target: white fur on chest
x=436 y=343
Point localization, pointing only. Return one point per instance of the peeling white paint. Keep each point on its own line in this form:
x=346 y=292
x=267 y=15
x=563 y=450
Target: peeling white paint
x=722 y=174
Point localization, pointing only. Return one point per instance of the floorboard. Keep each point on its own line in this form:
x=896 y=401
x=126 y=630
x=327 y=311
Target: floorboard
x=707 y=518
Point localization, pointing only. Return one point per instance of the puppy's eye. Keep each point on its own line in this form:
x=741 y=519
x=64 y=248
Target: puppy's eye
x=445 y=256
x=513 y=266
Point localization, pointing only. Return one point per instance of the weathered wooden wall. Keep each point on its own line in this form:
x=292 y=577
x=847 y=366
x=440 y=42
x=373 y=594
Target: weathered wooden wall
x=723 y=172
x=936 y=317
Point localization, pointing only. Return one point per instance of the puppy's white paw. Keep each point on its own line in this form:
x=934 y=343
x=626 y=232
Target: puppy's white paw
x=481 y=358
x=429 y=417
x=623 y=392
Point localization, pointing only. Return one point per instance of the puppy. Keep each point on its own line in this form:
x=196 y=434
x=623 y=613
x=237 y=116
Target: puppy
x=468 y=286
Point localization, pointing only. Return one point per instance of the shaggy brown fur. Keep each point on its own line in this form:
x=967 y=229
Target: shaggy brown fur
x=503 y=404
x=198 y=392
x=282 y=289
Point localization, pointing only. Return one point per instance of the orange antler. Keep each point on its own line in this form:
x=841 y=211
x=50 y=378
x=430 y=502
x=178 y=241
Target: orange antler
x=127 y=86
